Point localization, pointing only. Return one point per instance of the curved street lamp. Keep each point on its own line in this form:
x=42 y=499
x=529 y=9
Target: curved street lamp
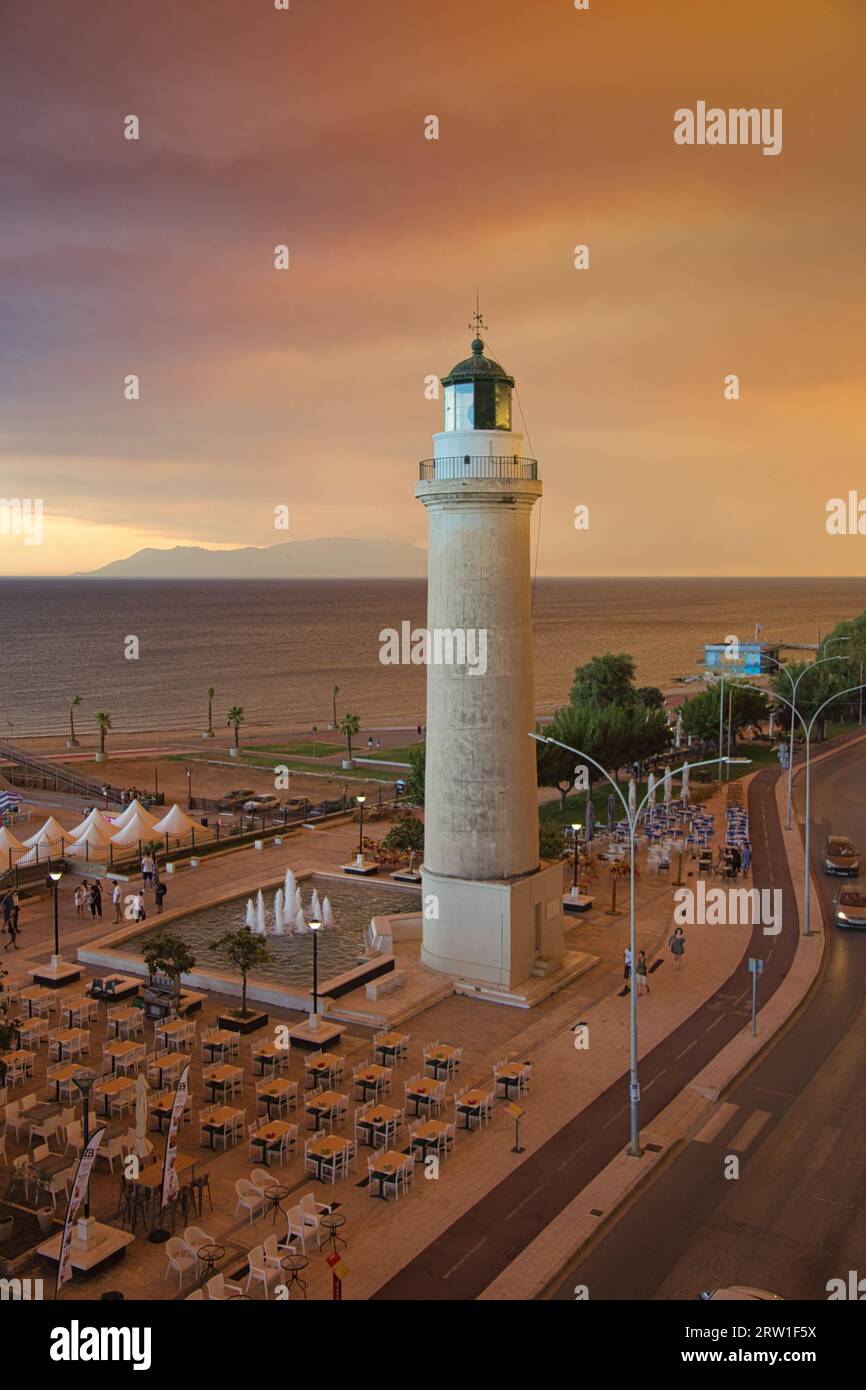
x=632 y=818
x=794 y=684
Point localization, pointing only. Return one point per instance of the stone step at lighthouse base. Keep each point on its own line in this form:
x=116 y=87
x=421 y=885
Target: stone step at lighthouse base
x=530 y=992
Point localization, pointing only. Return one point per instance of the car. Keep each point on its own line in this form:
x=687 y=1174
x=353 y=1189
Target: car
x=741 y=1293
x=262 y=803
x=840 y=856
x=233 y=800
x=849 y=906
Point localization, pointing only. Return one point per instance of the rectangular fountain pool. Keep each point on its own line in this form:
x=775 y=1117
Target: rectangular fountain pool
x=353 y=905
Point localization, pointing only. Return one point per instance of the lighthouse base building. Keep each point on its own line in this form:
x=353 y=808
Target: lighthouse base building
x=492 y=912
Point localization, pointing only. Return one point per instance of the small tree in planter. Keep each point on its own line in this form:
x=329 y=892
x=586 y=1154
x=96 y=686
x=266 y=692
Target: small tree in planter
x=407 y=833
x=167 y=954
x=245 y=951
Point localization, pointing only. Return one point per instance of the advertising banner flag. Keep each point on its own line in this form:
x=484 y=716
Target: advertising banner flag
x=170 y=1183
x=76 y=1202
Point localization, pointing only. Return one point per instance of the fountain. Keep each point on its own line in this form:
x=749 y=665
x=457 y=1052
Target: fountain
x=251 y=915
x=300 y=924
x=297 y=905
x=261 y=927
x=327 y=914
x=279 y=923
x=315 y=907
x=289 y=886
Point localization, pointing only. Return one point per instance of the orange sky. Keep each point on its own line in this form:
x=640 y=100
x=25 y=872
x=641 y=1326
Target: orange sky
x=307 y=388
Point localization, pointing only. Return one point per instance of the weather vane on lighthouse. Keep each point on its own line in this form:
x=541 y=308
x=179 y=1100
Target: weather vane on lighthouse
x=477 y=322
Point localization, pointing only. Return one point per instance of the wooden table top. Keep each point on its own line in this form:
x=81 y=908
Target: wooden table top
x=73 y=1002
x=32 y=1025
x=443 y=1053
x=512 y=1071
x=69 y=1035
x=171 y=1059
x=325 y=1101
x=471 y=1100
x=124 y=1013
x=277 y=1087
x=151 y=1176
x=380 y=1115
x=218 y=1038
x=423 y=1087
x=224 y=1072
x=120 y=1048
x=13 y=1058
x=64 y=1073
x=221 y=1116
x=171 y=1025
x=43 y=1110
x=113 y=1085
x=388 y=1162
x=270 y=1133
x=328 y=1145
x=392 y=1040
x=372 y=1073
x=322 y=1063
x=268 y=1049
x=433 y=1129
x=37 y=992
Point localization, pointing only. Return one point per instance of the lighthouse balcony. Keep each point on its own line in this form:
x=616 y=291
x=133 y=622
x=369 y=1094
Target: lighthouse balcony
x=479 y=466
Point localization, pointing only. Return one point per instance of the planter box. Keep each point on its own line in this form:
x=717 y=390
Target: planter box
x=243 y=1025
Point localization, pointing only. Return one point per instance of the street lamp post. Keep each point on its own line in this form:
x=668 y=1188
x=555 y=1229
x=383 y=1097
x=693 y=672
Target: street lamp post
x=576 y=828
x=55 y=875
x=188 y=788
x=85 y=1080
x=360 y=800
x=792 y=704
x=315 y=927
x=632 y=818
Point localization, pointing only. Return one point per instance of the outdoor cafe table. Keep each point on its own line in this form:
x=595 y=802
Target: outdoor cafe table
x=428 y=1135
x=18 y=1058
x=170 y=1028
x=29 y=1030
x=325 y=1148
x=273 y=1093
x=218 y=1041
x=41 y=1111
x=34 y=993
x=171 y=1060
x=118 y=1050
x=318 y=1105
x=61 y=1074
x=68 y=1037
x=218 y=1120
x=161 y=1106
x=421 y=1093
x=151 y=1177
x=439 y=1058
x=266 y=1055
x=390 y=1045
x=470 y=1104
x=376 y=1119
x=54 y=1163
x=124 y=1015
x=386 y=1166
x=320 y=1066
x=509 y=1076
x=269 y=1136
x=370 y=1077
x=217 y=1081
x=76 y=1005
x=111 y=1087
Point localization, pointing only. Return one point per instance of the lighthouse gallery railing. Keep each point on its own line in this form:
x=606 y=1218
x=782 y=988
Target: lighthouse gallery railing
x=478 y=466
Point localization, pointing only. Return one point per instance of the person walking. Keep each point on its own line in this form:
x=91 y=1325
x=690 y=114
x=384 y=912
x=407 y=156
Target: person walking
x=7 y=905
x=642 y=972
x=159 y=893
x=96 y=900
x=16 y=909
x=116 y=898
x=78 y=899
x=626 y=964
x=147 y=868
x=677 y=944
x=13 y=932
x=138 y=911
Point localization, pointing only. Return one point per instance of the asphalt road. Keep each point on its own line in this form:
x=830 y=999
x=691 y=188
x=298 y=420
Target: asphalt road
x=796 y=1215
x=477 y=1247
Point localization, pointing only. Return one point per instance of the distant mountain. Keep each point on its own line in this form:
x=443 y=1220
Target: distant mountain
x=331 y=558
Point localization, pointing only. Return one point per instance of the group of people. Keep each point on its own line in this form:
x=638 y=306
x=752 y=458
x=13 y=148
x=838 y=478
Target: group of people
x=129 y=794
x=677 y=946
x=11 y=910
x=88 y=899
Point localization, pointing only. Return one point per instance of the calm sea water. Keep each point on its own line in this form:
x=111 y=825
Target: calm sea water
x=278 y=647
x=290 y=957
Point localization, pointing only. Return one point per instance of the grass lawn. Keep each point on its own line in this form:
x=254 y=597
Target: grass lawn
x=320 y=749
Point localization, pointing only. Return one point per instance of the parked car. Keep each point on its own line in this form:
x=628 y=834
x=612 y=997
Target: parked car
x=232 y=801
x=849 y=906
x=840 y=856
x=257 y=804
x=742 y=1293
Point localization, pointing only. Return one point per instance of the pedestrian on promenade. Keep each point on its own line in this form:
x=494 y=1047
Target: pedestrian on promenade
x=13 y=932
x=378 y=744
x=747 y=857
x=16 y=909
x=138 y=911
x=370 y=744
x=736 y=861
x=677 y=944
x=147 y=868
x=78 y=899
x=626 y=964
x=96 y=900
x=159 y=893
x=642 y=972
x=8 y=904
x=116 y=898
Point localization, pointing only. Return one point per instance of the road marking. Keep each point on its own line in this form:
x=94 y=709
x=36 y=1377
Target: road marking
x=613 y=1119
x=526 y=1199
x=693 y=1043
x=749 y=1132
x=716 y=1021
x=571 y=1157
x=655 y=1079
x=481 y=1242
x=716 y=1123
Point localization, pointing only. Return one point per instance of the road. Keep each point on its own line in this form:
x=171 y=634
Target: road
x=796 y=1216
x=477 y=1247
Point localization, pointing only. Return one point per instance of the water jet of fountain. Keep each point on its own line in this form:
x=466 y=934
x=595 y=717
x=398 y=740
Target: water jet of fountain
x=327 y=914
x=261 y=928
x=297 y=905
x=300 y=924
x=251 y=915
x=315 y=907
x=279 y=923
x=289 y=886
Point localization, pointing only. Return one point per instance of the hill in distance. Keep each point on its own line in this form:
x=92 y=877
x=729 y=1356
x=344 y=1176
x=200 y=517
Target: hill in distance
x=330 y=558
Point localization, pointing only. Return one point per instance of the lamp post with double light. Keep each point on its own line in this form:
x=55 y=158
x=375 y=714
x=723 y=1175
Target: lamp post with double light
x=792 y=705
x=360 y=800
x=315 y=927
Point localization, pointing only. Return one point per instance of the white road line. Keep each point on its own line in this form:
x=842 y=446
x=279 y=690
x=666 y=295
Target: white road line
x=716 y=1021
x=615 y=1117
x=693 y=1043
x=526 y=1199
x=572 y=1156
x=654 y=1080
x=481 y=1242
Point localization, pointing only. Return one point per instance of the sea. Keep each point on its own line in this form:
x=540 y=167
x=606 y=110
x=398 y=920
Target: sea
x=278 y=647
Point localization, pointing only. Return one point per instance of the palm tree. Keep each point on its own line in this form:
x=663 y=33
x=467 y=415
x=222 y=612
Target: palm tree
x=335 y=693
x=73 y=705
x=235 y=717
x=210 y=694
x=103 y=723
x=350 y=725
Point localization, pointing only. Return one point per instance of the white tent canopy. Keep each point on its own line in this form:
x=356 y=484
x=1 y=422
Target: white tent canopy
x=8 y=841
x=176 y=822
x=50 y=831
x=94 y=825
x=93 y=845
x=135 y=829
x=134 y=809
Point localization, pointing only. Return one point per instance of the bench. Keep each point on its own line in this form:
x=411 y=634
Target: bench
x=394 y=980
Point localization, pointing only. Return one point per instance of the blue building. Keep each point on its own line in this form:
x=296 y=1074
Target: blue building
x=742 y=659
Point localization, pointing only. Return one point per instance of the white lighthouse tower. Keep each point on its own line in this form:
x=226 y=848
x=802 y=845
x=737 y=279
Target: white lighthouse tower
x=492 y=915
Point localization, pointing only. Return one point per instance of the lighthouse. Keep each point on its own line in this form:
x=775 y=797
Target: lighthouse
x=492 y=913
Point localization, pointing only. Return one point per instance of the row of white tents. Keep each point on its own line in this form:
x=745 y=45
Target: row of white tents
x=92 y=837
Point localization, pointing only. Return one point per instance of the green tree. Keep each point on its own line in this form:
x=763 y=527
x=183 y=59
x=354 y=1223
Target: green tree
x=605 y=680
x=557 y=767
x=551 y=840
x=235 y=717
x=103 y=724
x=650 y=696
x=165 y=953
x=350 y=725
x=245 y=951
x=700 y=714
x=416 y=780
x=73 y=706
x=407 y=833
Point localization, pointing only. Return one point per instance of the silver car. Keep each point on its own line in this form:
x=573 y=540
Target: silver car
x=849 y=906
